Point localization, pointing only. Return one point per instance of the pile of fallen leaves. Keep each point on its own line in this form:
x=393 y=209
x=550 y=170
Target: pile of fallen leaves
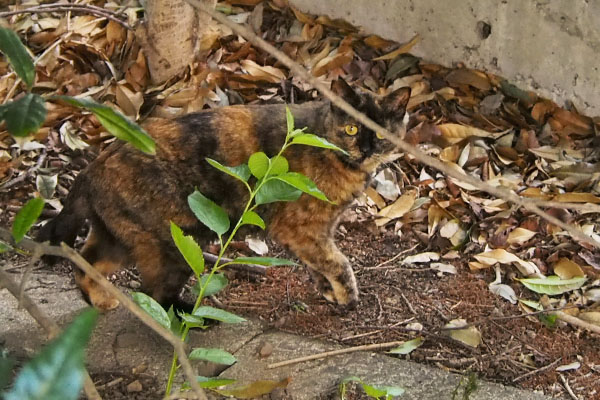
x=474 y=121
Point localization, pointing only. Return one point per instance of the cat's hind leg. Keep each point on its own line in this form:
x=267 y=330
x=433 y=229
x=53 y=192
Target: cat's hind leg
x=106 y=255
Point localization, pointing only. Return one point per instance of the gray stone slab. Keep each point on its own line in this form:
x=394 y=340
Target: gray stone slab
x=121 y=343
x=315 y=379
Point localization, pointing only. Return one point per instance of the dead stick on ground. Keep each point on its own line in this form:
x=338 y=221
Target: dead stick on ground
x=415 y=152
x=51 y=328
x=366 y=347
x=66 y=252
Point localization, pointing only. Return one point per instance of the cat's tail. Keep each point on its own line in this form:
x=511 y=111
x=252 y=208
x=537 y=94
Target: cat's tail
x=65 y=226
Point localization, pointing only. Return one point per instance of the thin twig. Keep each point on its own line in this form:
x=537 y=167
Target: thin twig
x=536 y=371
x=51 y=328
x=415 y=152
x=35 y=257
x=365 y=347
x=381 y=264
x=568 y=387
x=65 y=251
x=82 y=8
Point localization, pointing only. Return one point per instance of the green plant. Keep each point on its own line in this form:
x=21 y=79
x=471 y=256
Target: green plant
x=56 y=373
x=374 y=391
x=272 y=182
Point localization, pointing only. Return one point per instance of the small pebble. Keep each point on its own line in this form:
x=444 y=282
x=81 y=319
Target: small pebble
x=265 y=350
x=135 y=387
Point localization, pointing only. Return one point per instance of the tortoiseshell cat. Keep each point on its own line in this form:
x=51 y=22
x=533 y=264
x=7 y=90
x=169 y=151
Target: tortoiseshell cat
x=129 y=197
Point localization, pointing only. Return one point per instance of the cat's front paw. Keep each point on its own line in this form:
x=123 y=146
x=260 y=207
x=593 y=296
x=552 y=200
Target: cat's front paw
x=341 y=289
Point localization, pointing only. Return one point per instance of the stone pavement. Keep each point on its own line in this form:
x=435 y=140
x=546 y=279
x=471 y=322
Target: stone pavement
x=121 y=343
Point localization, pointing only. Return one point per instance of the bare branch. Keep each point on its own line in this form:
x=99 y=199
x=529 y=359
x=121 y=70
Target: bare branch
x=415 y=152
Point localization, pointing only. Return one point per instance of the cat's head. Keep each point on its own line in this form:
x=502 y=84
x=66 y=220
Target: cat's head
x=366 y=149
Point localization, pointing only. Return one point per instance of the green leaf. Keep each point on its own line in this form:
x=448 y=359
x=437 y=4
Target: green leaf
x=302 y=183
x=174 y=321
x=549 y=320
x=266 y=261
x=57 y=372
x=217 y=283
x=241 y=172
x=532 y=304
x=17 y=55
x=4 y=247
x=190 y=250
x=400 y=65
x=6 y=367
x=116 y=124
x=209 y=213
x=553 y=285
x=408 y=346
x=208 y=383
x=279 y=165
x=309 y=139
x=258 y=164
x=193 y=321
x=25 y=115
x=252 y=218
x=217 y=356
x=217 y=314
x=379 y=391
x=275 y=190
x=289 y=119
x=152 y=307
x=26 y=217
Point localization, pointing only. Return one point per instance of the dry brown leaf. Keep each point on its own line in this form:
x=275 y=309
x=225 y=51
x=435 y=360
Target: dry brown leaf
x=340 y=24
x=567 y=269
x=302 y=17
x=260 y=73
x=129 y=101
x=576 y=198
x=541 y=109
x=536 y=193
x=450 y=154
x=454 y=133
x=378 y=42
x=397 y=209
x=519 y=236
x=405 y=48
x=472 y=77
x=502 y=256
x=376 y=197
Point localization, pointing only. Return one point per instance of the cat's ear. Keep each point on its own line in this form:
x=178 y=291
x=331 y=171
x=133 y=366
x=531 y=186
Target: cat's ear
x=342 y=89
x=396 y=101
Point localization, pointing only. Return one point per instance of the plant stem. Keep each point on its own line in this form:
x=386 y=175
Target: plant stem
x=217 y=267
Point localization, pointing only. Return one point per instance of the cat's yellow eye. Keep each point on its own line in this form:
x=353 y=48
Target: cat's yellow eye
x=351 y=130
x=379 y=135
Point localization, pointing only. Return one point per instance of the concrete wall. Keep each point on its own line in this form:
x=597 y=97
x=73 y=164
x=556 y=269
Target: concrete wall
x=550 y=46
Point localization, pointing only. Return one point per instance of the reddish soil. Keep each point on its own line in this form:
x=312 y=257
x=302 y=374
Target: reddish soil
x=514 y=351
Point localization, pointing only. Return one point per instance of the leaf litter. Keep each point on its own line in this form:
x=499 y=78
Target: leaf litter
x=476 y=122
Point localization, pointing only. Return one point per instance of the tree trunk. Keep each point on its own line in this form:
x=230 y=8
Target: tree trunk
x=171 y=35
